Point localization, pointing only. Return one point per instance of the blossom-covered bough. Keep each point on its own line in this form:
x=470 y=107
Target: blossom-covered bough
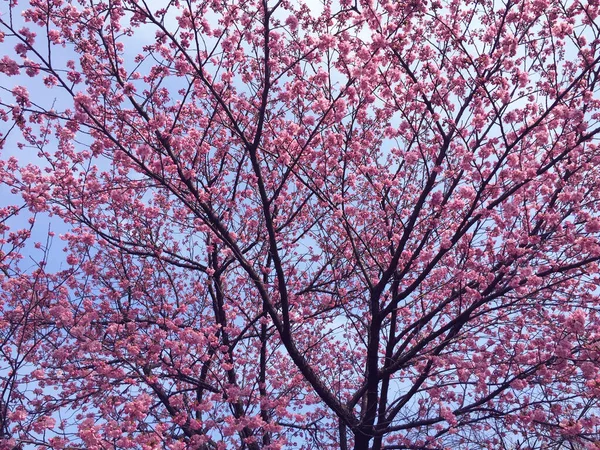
x=369 y=225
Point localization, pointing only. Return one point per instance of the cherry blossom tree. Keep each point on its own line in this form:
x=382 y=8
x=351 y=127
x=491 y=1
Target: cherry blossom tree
x=368 y=225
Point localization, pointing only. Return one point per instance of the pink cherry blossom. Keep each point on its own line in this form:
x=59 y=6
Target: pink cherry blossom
x=358 y=224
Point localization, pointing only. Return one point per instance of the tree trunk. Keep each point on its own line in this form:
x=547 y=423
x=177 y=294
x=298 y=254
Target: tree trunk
x=361 y=441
